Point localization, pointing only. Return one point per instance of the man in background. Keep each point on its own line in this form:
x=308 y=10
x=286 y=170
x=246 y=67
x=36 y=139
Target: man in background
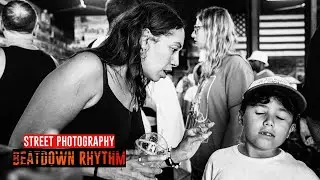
x=259 y=61
x=23 y=65
x=113 y=8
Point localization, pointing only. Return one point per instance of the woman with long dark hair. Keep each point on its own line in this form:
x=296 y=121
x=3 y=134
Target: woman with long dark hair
x=101 y=90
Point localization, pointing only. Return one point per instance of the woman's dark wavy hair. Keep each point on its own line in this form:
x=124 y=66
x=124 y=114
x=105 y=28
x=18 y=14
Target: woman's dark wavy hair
x=19 y=16
x=122 y=47
x=264 y=96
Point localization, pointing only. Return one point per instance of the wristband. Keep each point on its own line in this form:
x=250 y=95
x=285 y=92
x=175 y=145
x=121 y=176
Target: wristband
x=170 y=162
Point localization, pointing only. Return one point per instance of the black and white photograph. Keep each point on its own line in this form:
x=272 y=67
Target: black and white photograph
x=159 y=89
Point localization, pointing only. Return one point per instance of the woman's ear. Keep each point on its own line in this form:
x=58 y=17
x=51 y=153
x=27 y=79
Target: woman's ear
x=145 y=36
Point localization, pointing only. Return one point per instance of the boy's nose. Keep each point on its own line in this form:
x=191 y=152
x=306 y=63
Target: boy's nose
x=269 y=121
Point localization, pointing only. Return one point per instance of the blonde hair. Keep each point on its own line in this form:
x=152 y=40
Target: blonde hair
x=220 y=35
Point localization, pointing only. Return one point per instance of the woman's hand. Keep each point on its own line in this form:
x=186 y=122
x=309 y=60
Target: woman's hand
x=191 y=141
x=138 y=167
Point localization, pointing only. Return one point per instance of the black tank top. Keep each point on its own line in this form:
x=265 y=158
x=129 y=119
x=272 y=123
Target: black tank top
x=24 y=71
x=109 y=116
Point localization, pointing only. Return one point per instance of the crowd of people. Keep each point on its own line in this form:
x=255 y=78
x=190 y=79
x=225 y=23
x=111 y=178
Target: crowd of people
x=230 y=122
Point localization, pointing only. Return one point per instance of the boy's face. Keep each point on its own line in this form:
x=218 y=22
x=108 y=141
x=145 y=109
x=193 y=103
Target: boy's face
x=266 y=126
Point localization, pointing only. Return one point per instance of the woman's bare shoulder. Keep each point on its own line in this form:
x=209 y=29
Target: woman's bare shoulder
x=81 y=65
x=86 y=61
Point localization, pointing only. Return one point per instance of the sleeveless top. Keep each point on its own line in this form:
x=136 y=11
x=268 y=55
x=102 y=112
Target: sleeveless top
x=24 y=71
x=109 y=116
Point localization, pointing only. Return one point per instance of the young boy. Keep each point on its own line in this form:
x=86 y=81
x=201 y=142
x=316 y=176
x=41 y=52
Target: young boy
x=269 y=109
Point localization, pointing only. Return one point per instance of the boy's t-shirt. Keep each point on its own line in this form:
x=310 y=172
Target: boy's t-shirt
x=229 y=163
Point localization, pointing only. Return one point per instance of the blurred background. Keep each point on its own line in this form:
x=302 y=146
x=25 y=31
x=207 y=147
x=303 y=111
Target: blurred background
x=281 y=28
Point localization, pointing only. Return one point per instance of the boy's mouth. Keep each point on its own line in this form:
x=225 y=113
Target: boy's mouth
x=266 y=133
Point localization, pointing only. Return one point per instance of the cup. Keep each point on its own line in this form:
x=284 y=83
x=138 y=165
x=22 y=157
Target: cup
x=152 y=144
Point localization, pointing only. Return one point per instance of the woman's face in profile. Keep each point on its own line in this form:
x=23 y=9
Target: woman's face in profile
x=163 y=54
x=198 y=34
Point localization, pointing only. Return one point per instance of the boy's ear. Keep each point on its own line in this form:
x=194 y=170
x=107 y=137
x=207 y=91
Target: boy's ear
x=292 y=129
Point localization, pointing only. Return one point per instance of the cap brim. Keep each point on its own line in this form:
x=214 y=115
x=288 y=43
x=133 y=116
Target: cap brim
x=297 y=98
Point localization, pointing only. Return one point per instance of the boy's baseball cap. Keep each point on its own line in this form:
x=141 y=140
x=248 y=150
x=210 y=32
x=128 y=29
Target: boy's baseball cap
x=259 y=56
x=280 y=84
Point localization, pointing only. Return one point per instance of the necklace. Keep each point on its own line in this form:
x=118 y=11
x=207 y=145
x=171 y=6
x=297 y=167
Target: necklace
x=203 y=119
x=135 y=106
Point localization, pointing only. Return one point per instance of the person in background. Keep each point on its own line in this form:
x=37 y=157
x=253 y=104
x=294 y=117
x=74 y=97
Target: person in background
x=187 y=89
x=269 y=110
x=310 y=87
x=192 y=91
x=310 y=123
x=22 y=65
x=259 y=61
x=182 y=86
x=150 y=110
x=113 y=8
x=101 y=90
x=225 y=77
x=291 y=80
x=168 y=120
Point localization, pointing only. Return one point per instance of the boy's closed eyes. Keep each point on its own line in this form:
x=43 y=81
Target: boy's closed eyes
x=281 y=113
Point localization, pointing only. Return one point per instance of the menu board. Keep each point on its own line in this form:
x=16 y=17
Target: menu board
x=88 y=28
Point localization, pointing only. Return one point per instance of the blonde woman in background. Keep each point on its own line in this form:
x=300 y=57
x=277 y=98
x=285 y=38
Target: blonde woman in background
x=225 y=77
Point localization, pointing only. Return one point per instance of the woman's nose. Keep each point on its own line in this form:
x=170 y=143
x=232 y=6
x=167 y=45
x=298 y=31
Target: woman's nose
x=175 y=60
